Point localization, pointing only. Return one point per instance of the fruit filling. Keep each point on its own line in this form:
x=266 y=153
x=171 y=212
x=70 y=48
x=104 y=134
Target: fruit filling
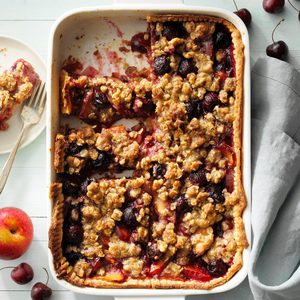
x=176 y=217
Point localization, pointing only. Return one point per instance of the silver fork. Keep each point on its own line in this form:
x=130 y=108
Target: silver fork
x=30 y=115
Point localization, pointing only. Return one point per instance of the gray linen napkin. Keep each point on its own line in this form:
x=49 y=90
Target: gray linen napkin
x=274 y=272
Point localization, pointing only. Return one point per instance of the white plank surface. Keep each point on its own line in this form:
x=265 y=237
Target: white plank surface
x=30 y=21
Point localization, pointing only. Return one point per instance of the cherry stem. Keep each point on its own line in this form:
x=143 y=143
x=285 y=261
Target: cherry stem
x=47 y=276
x=293 y=6
x=275 y=29
x=6 y=268
x=235 y=5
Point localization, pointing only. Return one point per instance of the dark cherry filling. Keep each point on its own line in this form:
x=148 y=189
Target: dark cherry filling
x=209 y=102
x=102 y=161
x=227 y=136
x=217 y=268
x=182 y=205
x=206 y=46
x=95 y=264
x=158 y=170
x=73 y=257
x=161 y=65
x=223 y=43
x=72 y=66
x=72 y=228
x=76 y=97
x=70 y=188
x=73 y=234
x=129 y=217
x=92 y=101
x=145 y=110
x=139 y=43
x=198 y=177
x=227 y=64
x=218 y=229
x=173 y=30
x=153 y=252
x=84 y=185
x=222 y=37
x=100 y=100
x=203 y=271
x=194 y=109
x=74 y=148
x=186 y=66
x=216 y=192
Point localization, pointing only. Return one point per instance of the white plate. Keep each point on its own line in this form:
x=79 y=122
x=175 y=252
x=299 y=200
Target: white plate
x=10 y=50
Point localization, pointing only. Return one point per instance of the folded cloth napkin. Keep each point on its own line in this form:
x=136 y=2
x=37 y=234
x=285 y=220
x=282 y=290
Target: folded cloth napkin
x=274 y=271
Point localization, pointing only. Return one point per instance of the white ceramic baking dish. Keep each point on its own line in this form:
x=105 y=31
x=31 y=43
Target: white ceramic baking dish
x=77 y=33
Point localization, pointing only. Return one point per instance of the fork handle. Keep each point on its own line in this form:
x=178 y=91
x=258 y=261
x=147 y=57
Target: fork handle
x=7 y=167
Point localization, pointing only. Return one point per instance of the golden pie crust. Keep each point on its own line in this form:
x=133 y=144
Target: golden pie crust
x=67 y=272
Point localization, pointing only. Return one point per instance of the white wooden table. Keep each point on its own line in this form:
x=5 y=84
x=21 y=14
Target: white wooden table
x=30 y=21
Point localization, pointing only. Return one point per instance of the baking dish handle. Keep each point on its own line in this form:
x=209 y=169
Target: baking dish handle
x=170 y=2
x=151 y=298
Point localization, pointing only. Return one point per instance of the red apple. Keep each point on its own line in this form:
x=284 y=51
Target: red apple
x=16 y=232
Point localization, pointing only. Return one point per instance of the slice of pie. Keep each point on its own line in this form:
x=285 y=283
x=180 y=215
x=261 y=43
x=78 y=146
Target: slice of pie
x=176 y=220
x=16 y=86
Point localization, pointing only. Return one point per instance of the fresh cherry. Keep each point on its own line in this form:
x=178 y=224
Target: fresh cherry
x=272 y=6
x=21 y=274
x=277 y=49
x=40 y=290
x=293 y=6
x=244 y=14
